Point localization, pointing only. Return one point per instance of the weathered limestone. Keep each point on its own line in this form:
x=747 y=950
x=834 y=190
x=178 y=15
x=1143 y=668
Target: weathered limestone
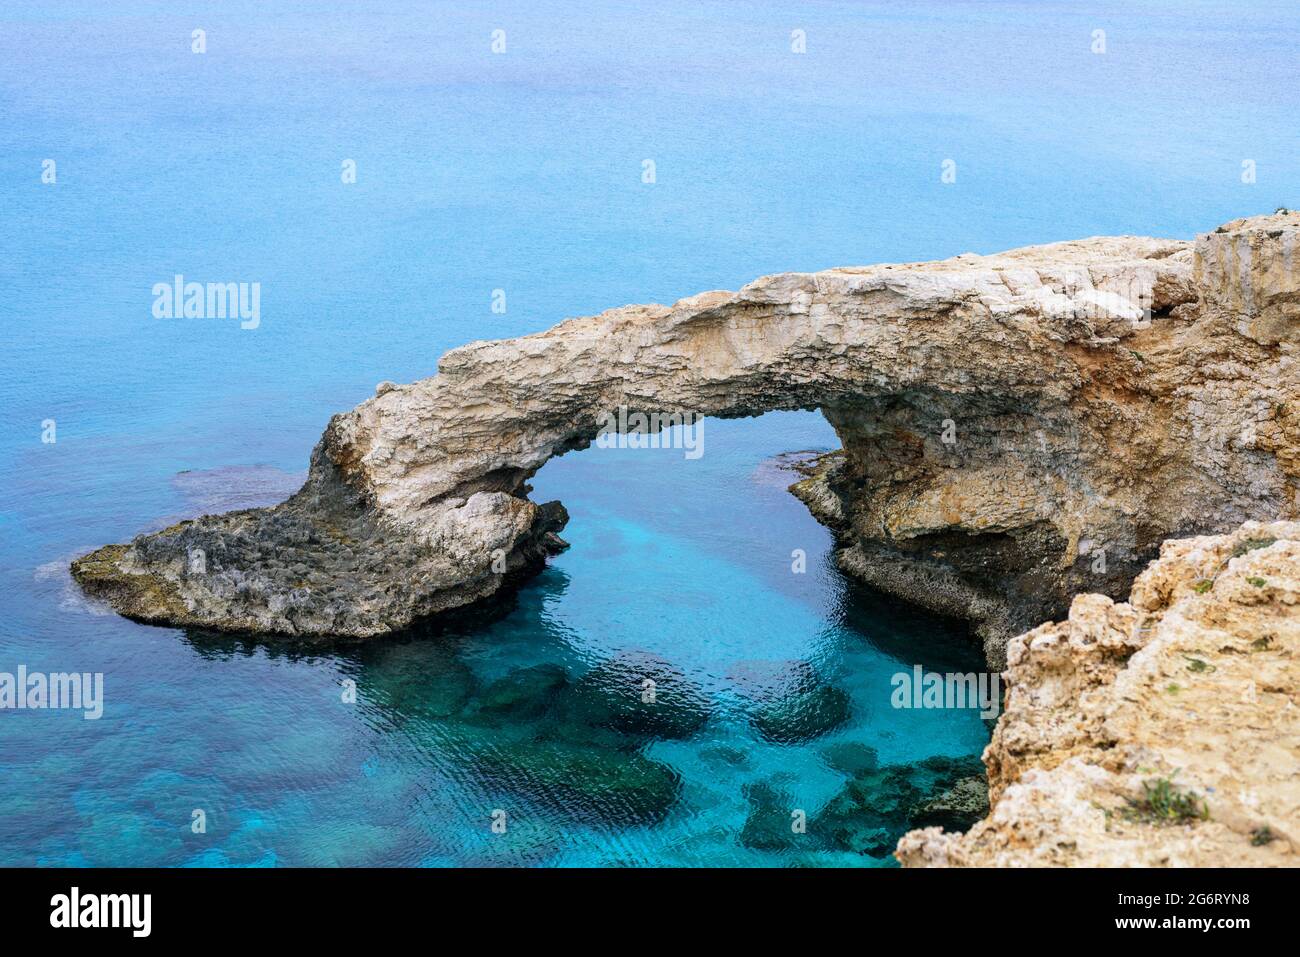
x=1194 y=682
x=1016 y=428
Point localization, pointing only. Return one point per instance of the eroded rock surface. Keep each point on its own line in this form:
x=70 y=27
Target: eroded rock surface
x=1016 y=428
x=1160 y=731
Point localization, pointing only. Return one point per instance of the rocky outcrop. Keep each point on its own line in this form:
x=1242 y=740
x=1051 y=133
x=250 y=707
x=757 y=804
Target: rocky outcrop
x=1016 y=428
x=1160 y=731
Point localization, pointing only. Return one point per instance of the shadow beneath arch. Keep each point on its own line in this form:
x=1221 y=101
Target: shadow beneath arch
x=908 y=633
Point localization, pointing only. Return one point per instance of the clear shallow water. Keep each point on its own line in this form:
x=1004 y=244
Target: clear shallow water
x=519 y=172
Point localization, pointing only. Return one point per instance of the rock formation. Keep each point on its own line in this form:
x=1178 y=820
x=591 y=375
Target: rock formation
x=1161 y=731
x=1016 y=428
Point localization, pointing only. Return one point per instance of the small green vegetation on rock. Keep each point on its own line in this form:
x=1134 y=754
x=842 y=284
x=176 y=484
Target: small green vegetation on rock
x=1250 y=544
x=1163 y=802
x=1261 y=836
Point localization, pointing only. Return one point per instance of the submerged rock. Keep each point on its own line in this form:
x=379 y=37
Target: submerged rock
x=875 y=808
x=527 y=693
x=769 y=824
x=417 y=680
x=1007 y=421
x=803 y=715
x=638 y=694
x=955 y=809
x=851 y=757
x=726 y=755
x=878 y=805
x=528 y=742
x=594 y=785
x=792 y=703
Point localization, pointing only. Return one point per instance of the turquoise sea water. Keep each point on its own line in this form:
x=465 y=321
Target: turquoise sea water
x=521 y=171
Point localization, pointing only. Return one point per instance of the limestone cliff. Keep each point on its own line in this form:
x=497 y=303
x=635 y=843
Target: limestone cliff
x=1016 y=428
x=1161 y=731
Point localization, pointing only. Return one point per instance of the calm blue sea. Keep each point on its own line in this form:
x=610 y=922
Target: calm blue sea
x=521 y=171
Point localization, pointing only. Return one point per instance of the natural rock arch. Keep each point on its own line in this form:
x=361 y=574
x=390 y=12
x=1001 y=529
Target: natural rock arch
x=1099 y=396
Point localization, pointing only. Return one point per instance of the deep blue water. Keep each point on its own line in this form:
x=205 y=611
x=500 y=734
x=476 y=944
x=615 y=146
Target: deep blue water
x=521 y=172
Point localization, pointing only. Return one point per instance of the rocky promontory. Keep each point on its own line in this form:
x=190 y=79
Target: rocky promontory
x=1016 y=429
x=1161 y=731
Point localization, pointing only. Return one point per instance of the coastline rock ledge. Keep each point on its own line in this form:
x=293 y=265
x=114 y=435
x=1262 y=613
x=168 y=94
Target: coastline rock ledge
x=1016 y=429
x=1157 y=732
